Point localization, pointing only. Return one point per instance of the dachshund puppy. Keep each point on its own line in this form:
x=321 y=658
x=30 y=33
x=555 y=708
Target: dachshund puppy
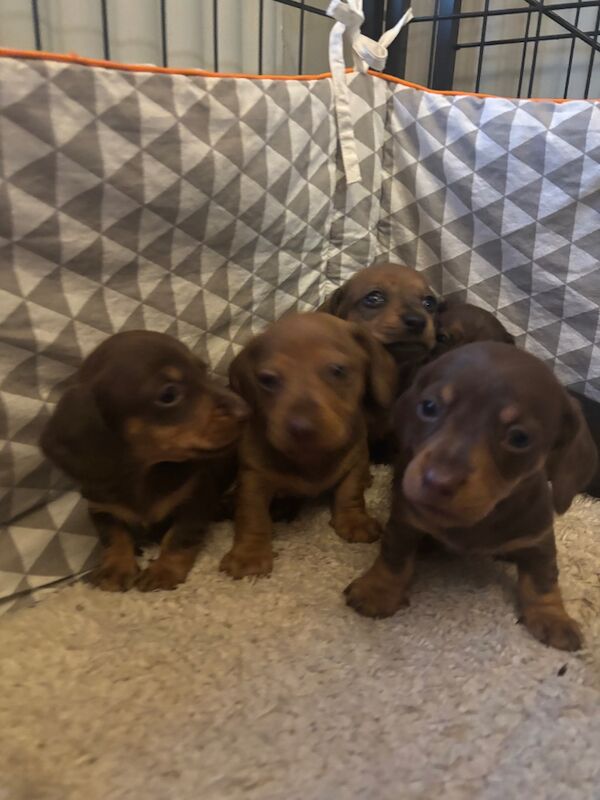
x=307 y=378
x=396 y=305
x=462 y=323
x=481 y=433
x=149 y=439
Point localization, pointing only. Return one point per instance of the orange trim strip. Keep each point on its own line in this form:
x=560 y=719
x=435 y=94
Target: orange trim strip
x=451 y=93
x=73 y=58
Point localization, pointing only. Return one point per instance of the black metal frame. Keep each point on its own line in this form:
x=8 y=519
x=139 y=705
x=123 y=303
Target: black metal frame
x=445 y=39
x=445 y=43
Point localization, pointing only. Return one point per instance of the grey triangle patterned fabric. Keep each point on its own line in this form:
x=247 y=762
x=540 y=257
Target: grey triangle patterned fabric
x=206 y=207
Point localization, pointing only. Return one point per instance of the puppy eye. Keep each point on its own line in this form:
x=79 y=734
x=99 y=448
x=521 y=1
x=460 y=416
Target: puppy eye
x=170 y=395
x=373 y=299
x=442 y=338
x=337 y=370
x=517 y=438
x=428 y=410
x=269 y=381
x=430 y=303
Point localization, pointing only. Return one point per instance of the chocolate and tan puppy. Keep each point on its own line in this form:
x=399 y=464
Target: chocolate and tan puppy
x=150 y=439
x=481 y=433
x=462 y=323
x=308 y=379
x=457 y=324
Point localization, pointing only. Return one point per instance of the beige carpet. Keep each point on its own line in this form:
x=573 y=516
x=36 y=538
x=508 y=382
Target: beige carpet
x=274 y=689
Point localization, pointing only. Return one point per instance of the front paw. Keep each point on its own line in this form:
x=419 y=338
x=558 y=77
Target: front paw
x=374 y=599
x=240 y=562
x=553 y=628
x=357 y=528
x=114 y=577
x=159 y=576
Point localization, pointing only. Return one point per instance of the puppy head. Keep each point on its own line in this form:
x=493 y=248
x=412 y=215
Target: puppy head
x=308 y=378
x=394 y=303
x=480 y=420
x=463 y=323
x=142 y=398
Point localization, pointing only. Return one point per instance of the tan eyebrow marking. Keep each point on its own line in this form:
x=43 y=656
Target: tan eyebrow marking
x=447 y=393
x=509 y=414
x=173 y=374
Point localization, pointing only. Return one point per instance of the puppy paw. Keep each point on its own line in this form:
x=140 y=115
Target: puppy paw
x=242 y=562
x=114 y=577
x=553 y=629
x=357 y=528
x=372 y=599
x=159 y=576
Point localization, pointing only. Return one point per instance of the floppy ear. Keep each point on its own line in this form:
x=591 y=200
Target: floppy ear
x=241 y=373
x=573 y=461
x=333 y=304
x=78 y=440
x=507 y=337
x=381 y=372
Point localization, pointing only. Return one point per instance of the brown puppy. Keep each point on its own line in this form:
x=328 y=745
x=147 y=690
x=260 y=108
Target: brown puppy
x=395 y=303
x=481 y=432
x=307 y=378
x=397 y=306
x=149 y=439
x=462 y=323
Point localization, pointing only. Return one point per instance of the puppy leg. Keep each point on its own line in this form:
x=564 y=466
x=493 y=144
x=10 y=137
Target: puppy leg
x=383 y=589
x=251 y=553
x=349 y=517
x=540 y=600
x=178 y=551
x=118 y=568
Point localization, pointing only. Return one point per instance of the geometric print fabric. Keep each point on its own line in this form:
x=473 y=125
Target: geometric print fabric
x=206 y=207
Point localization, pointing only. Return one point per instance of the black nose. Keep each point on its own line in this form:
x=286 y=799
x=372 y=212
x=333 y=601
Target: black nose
x=414 y=322
x=441 y=481
x=300 y=427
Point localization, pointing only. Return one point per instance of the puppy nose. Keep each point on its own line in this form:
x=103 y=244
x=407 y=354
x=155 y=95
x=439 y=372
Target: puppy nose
x=300 y=427
x=414 y=322
x=441 y=481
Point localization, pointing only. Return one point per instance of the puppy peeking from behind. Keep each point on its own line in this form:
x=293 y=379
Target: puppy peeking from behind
x=457 y=324
x=481 y=433
x=150 y=439
x=308 y=379
x=397 y=306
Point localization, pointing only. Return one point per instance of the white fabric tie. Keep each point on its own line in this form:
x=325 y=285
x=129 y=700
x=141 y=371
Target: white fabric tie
x=367 y=54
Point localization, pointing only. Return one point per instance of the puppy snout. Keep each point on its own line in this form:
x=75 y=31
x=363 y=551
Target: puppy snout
x=441 y=482
x=415 y=323
x=300 y=427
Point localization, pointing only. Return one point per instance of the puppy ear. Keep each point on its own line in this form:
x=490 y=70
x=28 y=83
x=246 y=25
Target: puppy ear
x=78 y=440
x=507 y=337
x=333 y=304
x=381 y=372
x=573 y=461
x=242 y=379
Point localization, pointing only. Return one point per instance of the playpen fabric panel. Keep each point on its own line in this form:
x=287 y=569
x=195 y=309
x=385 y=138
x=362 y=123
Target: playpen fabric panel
x=206 y=207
